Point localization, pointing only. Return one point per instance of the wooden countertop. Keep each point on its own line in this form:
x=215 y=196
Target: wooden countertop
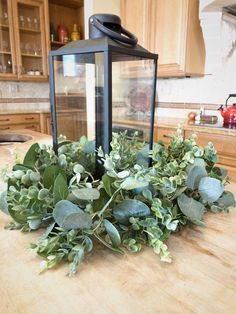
x=189 y=125
x=201 y=279
x=8 y=153
x=164 y=122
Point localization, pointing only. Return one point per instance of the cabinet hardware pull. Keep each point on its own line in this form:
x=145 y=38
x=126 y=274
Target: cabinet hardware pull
x=4 y=120
x=31 y=118
x=167 y=136
x=6 y=128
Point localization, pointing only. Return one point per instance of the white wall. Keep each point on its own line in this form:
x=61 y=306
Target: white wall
x=99 y=6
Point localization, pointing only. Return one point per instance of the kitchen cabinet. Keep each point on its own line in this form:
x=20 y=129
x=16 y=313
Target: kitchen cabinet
x=20 y=121
x=45 y=123
x=71 y=123
x=65 y=13
x=223 y=143
x=163 y=134
x=170 y=28
x=225 y=146
x=23 y=49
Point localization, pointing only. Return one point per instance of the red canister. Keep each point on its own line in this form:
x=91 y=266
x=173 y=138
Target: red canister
x=62 y=33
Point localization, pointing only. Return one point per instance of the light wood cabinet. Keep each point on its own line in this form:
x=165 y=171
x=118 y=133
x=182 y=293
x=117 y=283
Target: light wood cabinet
x=45 y=123
x=20 y=121
x=163 y=134
x=65 y=13
x=23 y=49
x=170 y=28
x=70 y=123
x=224 y=144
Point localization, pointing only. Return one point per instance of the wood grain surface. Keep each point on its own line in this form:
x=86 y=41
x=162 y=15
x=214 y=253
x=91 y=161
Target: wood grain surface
x=201 y=279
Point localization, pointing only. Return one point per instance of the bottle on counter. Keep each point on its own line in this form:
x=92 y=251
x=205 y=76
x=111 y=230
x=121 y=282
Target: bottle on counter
x=202 y=112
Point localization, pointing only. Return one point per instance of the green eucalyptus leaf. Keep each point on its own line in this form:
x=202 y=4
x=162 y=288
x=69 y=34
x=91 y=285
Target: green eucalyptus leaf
x=3 y=202
x=88 y=244
x=107 y=183
x=190 y=208
x=86 y=193
x=60 y=189
x=49 y=176
x=18 y=215
x=178 y=191
x=227 y=199
x=165 y=235
x=48 y=230
x=34 y=224
x=130 y=208
x=89 y=147
x=101 y=201
x=142 y=157
x=78 y=168
x=210 y=189
x=131 y=183
x=123 y=174
x=196 y=173
x=31 y=156
x=69 y=216
x=112 y=232
x=63 y=209
x=79 y=220
x=21 y=167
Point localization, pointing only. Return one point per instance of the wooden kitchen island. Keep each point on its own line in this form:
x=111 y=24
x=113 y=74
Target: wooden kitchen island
x=201 y=279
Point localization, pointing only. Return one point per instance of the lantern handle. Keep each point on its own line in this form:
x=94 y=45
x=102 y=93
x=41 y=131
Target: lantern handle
x=131 y=39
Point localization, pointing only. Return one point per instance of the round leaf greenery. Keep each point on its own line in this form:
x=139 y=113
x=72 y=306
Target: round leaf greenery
x=191 y=208
x=130 y=208
x=210 y=189
x=69 y=216
x=140 y=199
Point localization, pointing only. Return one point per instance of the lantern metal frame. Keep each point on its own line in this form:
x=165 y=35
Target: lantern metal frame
x=107 y=46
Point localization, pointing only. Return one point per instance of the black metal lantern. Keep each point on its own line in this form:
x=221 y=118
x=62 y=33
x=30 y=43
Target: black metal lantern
x=102 y=85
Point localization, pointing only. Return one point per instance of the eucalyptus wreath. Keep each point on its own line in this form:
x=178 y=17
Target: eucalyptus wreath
x=142 y=197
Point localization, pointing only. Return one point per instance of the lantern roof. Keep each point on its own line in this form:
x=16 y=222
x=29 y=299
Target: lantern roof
x=102 y=44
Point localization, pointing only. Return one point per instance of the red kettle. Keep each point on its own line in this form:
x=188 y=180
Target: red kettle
x=229 y=112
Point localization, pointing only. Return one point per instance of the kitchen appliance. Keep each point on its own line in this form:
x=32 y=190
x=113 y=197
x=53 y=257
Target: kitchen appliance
x=229 y=113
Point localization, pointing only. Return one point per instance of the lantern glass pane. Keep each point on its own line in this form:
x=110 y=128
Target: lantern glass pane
x=132 y=94
x=79 y=80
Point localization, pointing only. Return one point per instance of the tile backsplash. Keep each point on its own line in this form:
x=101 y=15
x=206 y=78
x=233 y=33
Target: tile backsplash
x=22 y=96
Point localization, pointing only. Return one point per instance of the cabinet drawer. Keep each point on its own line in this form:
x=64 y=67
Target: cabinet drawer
x=18 y=119
x=224 y=144
x=29 y=126
x=163 y=134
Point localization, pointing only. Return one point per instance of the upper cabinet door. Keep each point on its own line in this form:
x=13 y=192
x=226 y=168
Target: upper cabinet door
x=177 y=37
x=7 y=49
x=135 y=16
x=30 y=37
x=170 y=28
